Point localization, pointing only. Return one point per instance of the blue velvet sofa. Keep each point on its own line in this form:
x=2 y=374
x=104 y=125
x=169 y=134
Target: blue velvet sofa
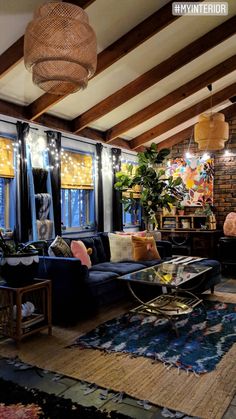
x=77 y=292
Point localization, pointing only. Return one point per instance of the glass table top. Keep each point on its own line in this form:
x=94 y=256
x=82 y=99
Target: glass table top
x=167 y=274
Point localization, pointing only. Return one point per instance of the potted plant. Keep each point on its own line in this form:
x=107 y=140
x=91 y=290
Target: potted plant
x=156 y=189
x=18 y=262
x=180 y=208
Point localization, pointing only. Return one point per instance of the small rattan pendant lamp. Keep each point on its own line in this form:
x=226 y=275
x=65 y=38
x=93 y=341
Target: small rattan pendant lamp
x=60 y=48
x=211 y=131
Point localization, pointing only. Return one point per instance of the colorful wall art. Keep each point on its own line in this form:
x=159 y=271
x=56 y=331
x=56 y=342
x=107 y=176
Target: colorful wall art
x=198 y=176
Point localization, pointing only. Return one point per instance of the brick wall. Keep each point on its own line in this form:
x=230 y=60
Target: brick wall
x=225 y=173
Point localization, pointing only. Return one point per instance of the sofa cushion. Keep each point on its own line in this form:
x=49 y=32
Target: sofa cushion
x=79 y=251
x=150 y=263
x=144 y=248
x=121 y=268
x=100 y=277
x=60 y=248
x=120 y=247
x=106 y=245
x=100 y=249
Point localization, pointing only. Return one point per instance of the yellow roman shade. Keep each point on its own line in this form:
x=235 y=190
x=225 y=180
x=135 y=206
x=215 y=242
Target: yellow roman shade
x=135 y=190
x=6 y=158
x=76 y=171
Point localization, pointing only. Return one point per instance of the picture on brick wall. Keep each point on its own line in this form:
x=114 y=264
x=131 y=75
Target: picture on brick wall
x=198 y=176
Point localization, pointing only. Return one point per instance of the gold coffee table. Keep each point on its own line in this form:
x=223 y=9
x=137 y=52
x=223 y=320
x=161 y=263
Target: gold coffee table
x=175 y=299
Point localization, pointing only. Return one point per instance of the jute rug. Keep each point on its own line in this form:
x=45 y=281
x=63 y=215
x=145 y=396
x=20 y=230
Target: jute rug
x=207 y=396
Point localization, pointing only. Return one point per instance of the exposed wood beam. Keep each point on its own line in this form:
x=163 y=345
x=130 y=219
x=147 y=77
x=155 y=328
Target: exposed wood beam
x=12 y=56
x=15 y=53
x=172 y=98
x=159 y=72
x=180 y=136
x=176 y=138
x=131 y=40
x=55 y=123
x=183 y=116
x=11 y=109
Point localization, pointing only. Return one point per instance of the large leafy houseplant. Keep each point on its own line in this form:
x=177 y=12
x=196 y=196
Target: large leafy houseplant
x=157 y=190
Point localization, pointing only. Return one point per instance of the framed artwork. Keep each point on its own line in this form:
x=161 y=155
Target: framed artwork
x=198 y=177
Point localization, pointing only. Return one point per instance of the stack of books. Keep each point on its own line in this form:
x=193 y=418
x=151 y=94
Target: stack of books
x=169 y=222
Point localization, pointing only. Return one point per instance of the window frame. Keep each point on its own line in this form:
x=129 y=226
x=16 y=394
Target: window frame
x=10 y=190
x=92 y=207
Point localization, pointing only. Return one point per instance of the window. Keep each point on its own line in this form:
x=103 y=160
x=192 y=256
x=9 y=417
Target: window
x=133 y=218
x=6 y=183
x=77 y=208
x=77 y=193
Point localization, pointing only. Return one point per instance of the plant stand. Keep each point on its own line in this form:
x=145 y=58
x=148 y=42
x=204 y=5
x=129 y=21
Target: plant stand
x=12 y=322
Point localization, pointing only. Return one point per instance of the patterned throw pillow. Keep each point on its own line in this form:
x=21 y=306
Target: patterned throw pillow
x=121 y=247
x=79 y=251
x=60 y=248
x=144 y=248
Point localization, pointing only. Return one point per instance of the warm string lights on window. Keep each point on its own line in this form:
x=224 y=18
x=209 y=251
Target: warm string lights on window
x=116 y=163
x=106 y=162
x=7 y=158
x=53 y=150
x=109 y=164
x=37 y=145
x=76 y=170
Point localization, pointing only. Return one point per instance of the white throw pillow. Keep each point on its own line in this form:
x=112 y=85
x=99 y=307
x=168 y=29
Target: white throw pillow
x=121 y=247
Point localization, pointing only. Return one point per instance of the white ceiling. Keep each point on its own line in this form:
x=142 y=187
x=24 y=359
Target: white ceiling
x=110 y=20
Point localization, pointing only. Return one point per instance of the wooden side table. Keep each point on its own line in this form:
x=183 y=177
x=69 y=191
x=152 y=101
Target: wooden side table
x=13 y=323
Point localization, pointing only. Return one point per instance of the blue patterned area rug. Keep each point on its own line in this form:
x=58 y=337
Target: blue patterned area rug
x=203 y=337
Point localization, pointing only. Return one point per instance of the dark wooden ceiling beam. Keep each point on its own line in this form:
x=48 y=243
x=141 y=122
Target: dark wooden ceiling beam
x=172 y=98
x=114 y=52
x=12 y=56
x=185 y=134
x=183 y=116
x=56 y=123
x=159 y=72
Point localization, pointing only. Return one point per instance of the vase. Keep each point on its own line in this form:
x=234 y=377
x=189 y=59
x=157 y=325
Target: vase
x=19 y=269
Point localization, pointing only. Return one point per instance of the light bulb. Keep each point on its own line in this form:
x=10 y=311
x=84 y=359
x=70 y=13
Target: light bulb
x=188 y=155
x=205 y=156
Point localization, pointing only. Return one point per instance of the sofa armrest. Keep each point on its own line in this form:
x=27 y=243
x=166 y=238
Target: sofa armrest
x=164 y=248
x=71 y=297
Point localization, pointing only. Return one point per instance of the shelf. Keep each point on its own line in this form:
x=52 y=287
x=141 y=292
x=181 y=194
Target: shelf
x=183 y=222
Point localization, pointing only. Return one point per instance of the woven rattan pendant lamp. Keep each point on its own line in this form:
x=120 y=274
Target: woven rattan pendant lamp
x=211 y=131
x=60 y=48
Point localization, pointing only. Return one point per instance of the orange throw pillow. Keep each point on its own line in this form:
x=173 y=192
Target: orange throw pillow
x=144 y=248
